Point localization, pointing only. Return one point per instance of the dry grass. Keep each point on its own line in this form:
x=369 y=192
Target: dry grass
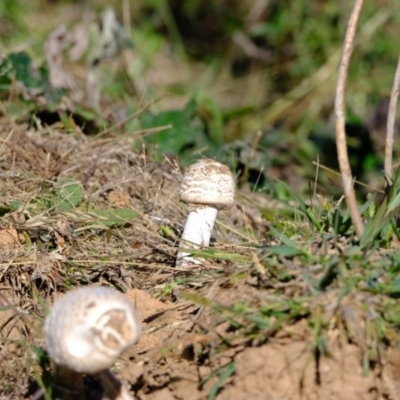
x=46 y=250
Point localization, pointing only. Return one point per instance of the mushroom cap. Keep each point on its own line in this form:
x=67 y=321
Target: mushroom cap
x=208 y=182
x=89 y=328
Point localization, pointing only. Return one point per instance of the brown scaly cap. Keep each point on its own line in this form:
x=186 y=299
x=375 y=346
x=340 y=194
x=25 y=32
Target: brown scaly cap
x=208 y=182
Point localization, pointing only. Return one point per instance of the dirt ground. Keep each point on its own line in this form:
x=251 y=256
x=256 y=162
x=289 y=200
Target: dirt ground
x=283 y=368
x=163 y=365
x=189 y=350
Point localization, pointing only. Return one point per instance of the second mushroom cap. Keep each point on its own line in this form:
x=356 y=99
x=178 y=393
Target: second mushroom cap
x=89 y=328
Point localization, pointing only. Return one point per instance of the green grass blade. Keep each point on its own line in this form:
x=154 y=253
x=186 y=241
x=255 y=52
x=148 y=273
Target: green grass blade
x=303 y=206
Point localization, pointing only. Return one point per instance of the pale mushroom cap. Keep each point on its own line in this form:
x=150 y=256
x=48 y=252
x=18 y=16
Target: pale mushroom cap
x=89 y=328
x=208 y=182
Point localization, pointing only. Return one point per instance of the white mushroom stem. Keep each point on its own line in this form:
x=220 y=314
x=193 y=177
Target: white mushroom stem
x=207 y=186
x=197 y=232
x=86 y=331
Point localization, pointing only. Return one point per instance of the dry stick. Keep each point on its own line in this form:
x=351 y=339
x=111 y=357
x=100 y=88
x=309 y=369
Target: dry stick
x=124 y=121
x=343 y=156
x=130 y=117
x=253 y=150
x=322 y=166
x=394 y=95
x=17 y=152
x=315 y=180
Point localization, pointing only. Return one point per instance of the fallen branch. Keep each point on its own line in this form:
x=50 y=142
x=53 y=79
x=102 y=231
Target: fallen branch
x=343 y=157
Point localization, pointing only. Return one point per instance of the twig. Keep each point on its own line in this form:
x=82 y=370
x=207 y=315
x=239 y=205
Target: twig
x=126 y=15
x=257 y=11
x=250 y=49
x=343 y=156
x=130 y=117
x=391 y=121
x=151 y=131
x=316 y=179
x=17 y=152
x=253 y=150
x=322 y=166
x=124 y=121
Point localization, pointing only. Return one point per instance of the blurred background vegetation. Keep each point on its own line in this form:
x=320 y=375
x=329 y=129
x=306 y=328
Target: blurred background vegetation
x=249 y=82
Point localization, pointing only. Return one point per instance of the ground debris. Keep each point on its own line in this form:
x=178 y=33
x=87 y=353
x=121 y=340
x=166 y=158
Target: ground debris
x=239 y=328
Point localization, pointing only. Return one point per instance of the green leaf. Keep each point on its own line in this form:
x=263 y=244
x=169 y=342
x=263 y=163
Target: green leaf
x=270 y=216
x=199 y=125
x=216 y=253
x=195 y=298
x=209 y=111
x=172 y=140
x=224 y=373
x=15 y=205
x=282 y=237
x=18 y=66
x=68 y=194
x=5 y=67
x=115 y=217
x=383 y=214
x=4 y=210
x=331 y=272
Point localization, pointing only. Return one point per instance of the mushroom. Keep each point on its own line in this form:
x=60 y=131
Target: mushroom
x=207 y=187
x=85 y=333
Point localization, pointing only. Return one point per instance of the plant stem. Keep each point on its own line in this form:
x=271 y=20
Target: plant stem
x=391 y=121
x=341 y=144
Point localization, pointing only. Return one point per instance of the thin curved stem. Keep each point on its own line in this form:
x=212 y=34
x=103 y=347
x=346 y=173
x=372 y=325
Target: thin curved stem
x=343 y=157
x=391 y=121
